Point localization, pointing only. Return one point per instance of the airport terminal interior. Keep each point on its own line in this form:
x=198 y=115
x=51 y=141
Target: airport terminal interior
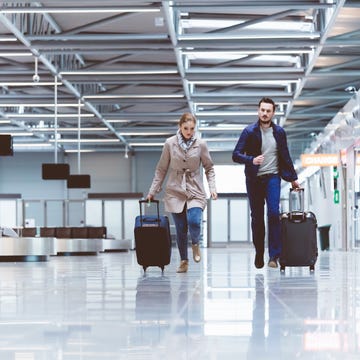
x=90 y=91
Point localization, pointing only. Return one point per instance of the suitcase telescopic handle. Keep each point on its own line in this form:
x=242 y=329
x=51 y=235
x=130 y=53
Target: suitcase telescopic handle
x=300 y=198
x=297 y=189
x=144 y=201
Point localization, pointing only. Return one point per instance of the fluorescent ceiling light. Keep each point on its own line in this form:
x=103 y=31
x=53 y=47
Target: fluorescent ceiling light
x=231 y=126
x=220 y=114
x=25 y=133
x=146 y=96
x=81 y=150
x=75 y=10
x=41 y=105
x=228 y=113
x=234 y=82
x=118 y=121
x=5 y=121
x=266 y=58
x=218 y=56
x=146 y=144
x=120 y=72
x=204 y=54
x=303 y=27
x=5 y=38
x=220 y=128
x=149 y=133
x=221 y=139
x=28 y=83
x=11 y=115
x=245 y=35
x=85 y=140
x=17 y=54
x=144 y=118
x=279 y=58
x=200 y=104
x=30 y=145
x=72 y=129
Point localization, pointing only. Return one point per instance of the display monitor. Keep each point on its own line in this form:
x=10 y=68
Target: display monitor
x=55 y=171
x=6 y=145
x=78 y=181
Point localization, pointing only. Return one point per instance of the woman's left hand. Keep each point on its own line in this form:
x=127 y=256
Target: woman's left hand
x=214 y=195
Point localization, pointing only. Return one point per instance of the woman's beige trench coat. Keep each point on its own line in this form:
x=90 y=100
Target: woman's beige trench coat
x=184 y=183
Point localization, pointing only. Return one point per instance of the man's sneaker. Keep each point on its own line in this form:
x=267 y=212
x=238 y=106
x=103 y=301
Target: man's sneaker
x=273 y=263
x=259 y=261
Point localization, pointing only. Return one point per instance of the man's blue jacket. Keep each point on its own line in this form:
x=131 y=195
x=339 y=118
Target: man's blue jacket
x=249 y=146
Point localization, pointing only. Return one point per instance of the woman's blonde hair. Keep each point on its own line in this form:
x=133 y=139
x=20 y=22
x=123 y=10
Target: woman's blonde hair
x=187 y=117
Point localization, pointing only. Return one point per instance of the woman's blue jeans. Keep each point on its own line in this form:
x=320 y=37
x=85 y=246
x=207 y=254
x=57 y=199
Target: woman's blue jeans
x=260 y=190
x=187 y=220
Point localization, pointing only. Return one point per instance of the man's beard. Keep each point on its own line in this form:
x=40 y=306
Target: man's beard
x=265 y=122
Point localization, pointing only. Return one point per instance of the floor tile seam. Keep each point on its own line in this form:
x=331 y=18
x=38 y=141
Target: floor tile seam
x=178 y=317
x=284 y=305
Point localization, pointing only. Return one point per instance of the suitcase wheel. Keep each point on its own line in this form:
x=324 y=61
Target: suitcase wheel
x=144 y=267
x=312 y=268
x=282 y=268
x=162 y=268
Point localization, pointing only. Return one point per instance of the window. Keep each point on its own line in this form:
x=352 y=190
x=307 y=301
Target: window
x=229 y=179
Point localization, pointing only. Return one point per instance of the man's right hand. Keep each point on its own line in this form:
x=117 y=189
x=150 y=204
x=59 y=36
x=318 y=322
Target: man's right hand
x=295 y=185
x=258 y=160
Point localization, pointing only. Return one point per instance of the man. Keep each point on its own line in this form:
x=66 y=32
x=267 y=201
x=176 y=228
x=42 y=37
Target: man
x=263 y=148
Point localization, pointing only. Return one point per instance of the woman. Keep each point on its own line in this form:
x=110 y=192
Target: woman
x=185 y=198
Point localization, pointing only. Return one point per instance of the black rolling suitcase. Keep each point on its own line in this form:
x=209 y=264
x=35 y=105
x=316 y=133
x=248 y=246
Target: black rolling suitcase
x=152 y=238
x=298 y=235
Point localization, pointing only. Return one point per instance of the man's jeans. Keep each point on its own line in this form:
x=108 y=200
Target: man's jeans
x=260 y=190
x=187 y=220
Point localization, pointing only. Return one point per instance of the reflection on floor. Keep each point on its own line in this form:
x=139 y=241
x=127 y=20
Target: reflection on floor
x=103 y=307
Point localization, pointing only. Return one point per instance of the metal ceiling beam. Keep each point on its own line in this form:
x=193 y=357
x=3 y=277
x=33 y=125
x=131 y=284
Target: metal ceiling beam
x=214 y=86
x=251 y=5
x=326 y=31
x=170 y=17
x=6 y=22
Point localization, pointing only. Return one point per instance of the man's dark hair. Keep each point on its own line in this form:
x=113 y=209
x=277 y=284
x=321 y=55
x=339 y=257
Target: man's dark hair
x=268 y=101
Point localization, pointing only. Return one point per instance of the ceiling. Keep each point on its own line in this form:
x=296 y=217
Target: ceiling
x=117 y=75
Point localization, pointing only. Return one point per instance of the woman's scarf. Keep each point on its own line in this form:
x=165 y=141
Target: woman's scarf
x=185 y=144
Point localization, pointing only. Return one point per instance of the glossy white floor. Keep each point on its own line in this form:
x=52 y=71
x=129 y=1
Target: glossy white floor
x=103 y=307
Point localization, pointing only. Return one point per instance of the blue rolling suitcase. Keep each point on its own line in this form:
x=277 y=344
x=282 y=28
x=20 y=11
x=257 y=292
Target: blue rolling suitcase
x=298 y=235
x=152 y=238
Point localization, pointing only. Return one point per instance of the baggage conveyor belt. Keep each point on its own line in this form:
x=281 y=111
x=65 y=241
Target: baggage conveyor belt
x=26 y=248
x=41 y=248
